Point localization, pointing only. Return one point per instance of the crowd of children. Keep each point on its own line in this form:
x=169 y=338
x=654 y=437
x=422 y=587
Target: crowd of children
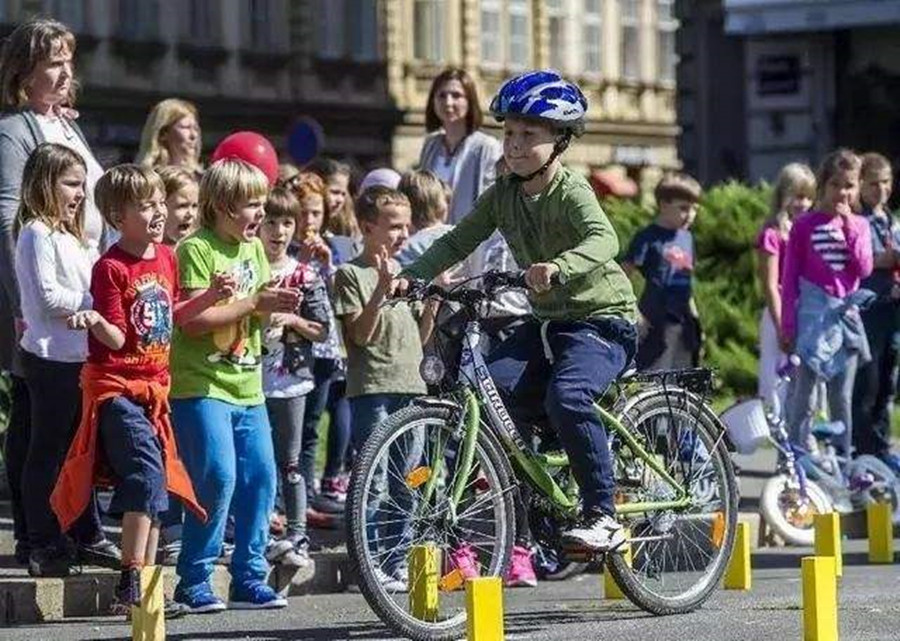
x=205 y=345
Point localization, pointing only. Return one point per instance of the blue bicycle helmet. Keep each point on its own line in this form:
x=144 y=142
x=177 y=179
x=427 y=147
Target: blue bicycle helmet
x=544 y=95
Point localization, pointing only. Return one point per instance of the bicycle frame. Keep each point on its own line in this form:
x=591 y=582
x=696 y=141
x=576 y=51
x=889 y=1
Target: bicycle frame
x=479 y=390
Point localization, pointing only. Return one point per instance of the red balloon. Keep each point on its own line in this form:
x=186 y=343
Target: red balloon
x=252 y=148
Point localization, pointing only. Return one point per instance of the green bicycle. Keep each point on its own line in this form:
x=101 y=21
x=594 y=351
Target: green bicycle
x=444 y=472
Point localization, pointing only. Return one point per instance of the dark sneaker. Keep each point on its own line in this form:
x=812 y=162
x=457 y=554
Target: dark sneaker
x=104 y=553
x=128 y=593
x=174 y=610
x=277 y=548
x=199 y=599
x=599 y=532
x=255 y=595
x=50 y=561
x=327 y=505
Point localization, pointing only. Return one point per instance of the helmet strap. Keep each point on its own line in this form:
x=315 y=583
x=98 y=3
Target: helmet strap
x=562 y=142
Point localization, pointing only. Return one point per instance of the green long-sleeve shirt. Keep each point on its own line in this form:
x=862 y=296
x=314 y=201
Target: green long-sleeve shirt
x=563 y=225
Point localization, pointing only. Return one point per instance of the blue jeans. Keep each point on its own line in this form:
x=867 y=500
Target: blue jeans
x=587 y=357
x=368 y=412
x=227 y=450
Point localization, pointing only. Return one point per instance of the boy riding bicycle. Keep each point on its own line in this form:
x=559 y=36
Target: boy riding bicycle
x=583 y=335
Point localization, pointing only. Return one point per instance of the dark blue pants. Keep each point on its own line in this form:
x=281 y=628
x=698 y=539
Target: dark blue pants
x=875 y=382
x=587 y=357
x=327 y=377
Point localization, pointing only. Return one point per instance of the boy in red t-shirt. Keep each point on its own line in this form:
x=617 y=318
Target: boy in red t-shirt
x=125 y=425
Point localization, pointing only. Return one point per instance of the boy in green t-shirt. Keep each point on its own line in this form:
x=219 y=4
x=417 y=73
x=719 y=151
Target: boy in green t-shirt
x=218 y=407
x=384 y=343
x=583 y=335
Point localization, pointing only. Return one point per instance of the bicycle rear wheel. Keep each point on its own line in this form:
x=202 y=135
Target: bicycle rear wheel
x=678 y=556
x=417 y=451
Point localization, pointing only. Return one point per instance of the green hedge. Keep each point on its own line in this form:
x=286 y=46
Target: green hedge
x=725 y=281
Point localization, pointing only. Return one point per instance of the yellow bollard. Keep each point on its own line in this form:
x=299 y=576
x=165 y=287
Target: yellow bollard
x=881 y=533
x=611 y=589
x=828 y=539
x=819 y=599
x=424 y=565
x=738 y=575
x=484 y=609
x=148 y=622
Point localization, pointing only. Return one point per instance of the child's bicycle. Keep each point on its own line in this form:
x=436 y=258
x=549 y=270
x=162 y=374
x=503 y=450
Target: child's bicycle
x=443 y=473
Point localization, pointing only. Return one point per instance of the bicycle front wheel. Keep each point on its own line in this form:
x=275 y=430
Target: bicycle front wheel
x=401 y=500
x=677 y=555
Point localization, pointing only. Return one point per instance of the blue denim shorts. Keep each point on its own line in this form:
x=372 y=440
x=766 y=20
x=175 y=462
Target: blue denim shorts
x=134 y=454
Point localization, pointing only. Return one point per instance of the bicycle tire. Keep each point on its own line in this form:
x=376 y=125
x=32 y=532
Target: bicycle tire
x=771 y=510
x=401 y=622
x=706 y=424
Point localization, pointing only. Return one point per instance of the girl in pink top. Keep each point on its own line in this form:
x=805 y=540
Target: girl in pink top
x=829 y=248
x=794 y=192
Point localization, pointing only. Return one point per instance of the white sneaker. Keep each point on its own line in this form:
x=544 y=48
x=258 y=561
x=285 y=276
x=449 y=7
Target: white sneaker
x=277 y=548
x=601 y=533
x=390 y=583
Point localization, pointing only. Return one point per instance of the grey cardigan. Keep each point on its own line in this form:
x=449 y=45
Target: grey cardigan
x=20 y=134
x=475 y=169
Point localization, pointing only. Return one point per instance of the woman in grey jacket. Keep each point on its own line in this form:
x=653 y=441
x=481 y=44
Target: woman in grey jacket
x=455 y=150
x=37 y=89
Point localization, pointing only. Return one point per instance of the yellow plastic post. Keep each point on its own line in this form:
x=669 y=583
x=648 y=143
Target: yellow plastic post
x=611 y=589
x=484 y=609
x=738 y=575
x=881 y=533
x=148 y=622
x=424 y=574
x=819 y=599
x=828 y=539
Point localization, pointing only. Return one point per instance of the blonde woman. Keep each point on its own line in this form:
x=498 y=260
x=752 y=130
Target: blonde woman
x=795 y=190
x=171 y=136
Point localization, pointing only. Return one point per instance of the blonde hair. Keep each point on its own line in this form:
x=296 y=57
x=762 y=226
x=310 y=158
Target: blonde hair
x=342 y=222
x=838 y=160
x=427 y=197
x=874 y=161
x=370 y=202
x=176 y=178
x=40 y=196
x=287 y=173
x=27 y=46
x=227 y=183
x=676 y=185
x=794 y=179
x=124 y=185
x=163 y=116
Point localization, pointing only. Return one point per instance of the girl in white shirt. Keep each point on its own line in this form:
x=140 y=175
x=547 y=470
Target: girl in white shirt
x=53 y=268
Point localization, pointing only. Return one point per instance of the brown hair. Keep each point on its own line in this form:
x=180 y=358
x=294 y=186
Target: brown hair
x=474 y=117
x=838 y=160
x=872 y=162
x=427 y=197
x=282 y=203
x=674 y=186
x=125 y=185
x=175 y=178
x=226 y=184
x=343 y=222
x=40 y=196
x=30 y=43
x=370 y=202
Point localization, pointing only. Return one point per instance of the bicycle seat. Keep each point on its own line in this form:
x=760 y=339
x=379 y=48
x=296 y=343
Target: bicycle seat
x=827 y=429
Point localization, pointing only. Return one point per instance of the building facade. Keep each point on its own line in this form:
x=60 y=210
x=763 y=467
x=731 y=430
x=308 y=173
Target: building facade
x=766 y=82
x=362 y=68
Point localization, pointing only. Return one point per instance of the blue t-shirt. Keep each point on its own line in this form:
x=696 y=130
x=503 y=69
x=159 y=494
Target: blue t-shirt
x=665 y=258
x=885 y=233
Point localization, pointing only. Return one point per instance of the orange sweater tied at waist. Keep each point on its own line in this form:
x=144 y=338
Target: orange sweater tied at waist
x=84 y=466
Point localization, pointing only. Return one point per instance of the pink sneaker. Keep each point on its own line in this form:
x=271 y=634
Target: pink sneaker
x=521 y=570
x=465 y=559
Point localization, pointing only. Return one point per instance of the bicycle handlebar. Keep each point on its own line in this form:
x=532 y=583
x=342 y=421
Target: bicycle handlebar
x=493 y=282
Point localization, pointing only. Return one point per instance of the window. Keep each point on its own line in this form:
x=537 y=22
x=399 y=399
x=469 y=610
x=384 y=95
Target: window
x=363 y=25
x=631 y=39
x=260 y=23
x=429 y=21
x=591 y=36
x=331 y=28
x=200 y=21
x=491 y=34
x=557 y=18
x=138 y=19
x=667 y=25
x=69 y=12
x=519 y=41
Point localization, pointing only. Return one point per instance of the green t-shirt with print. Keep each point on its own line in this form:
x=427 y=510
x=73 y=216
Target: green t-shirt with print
x=389 y=364
x=224 y=364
